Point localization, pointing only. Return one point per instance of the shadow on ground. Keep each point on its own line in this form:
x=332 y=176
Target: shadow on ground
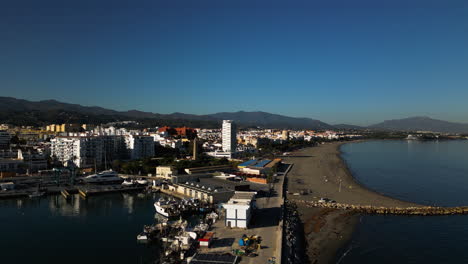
x=266 y=217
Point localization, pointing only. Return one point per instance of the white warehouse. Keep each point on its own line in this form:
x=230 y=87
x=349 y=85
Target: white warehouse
x=239 y=209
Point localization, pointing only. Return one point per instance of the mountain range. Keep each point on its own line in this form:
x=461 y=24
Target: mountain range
x=24 y=112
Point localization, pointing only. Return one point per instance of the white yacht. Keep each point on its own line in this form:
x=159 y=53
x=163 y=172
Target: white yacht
x=108 y=176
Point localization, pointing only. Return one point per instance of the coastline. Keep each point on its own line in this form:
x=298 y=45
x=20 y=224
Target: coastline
x=321 y=172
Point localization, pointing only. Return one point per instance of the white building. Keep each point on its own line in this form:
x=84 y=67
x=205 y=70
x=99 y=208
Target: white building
x=139 y=146
x=229 y=138
x=239 y=209
x=83 y=151
x=165 y=172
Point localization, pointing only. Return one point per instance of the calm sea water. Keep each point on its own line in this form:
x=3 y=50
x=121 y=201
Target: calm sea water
x=434 y=173
x=101 y=229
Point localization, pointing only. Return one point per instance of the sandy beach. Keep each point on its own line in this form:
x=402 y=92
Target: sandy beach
x=320 y=172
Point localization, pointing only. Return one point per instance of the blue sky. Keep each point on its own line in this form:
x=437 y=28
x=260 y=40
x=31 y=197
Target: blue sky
x=357 y=61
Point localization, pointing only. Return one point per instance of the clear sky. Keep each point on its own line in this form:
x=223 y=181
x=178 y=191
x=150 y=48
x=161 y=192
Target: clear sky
x=358 y=61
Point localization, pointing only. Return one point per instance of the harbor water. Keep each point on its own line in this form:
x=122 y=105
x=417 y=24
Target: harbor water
x=426 y=172
x=100 y=229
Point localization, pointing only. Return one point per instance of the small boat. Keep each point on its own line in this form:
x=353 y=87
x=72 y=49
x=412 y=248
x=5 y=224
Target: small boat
x=128 y=182
x=143 y=236
x=36 y=194
x=142 y=181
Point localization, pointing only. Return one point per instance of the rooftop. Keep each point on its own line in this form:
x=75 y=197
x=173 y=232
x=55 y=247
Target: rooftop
x=244 y=195
x=202 y=187
x=247 y=163
x=261 y=163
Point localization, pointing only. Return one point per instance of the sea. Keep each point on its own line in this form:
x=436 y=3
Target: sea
x=100 y=229
x=425 y=172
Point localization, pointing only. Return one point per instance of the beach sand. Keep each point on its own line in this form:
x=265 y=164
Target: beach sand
x=320 y=172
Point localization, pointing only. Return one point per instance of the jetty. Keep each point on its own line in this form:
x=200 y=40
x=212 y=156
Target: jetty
x=369 y=209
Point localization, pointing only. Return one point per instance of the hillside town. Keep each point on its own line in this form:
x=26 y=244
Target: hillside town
x=32 y=150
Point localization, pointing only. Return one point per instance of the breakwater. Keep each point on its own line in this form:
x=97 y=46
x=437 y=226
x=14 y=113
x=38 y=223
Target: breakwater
x=368 y=209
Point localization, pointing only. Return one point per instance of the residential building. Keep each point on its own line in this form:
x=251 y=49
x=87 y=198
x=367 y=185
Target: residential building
x=4 y=139
x=33 y=161
x=9 y=167
x=239 y=209
x=64 y=127
x=139 y=146
x=114 y=148
x=229 y=139
x=83 y=151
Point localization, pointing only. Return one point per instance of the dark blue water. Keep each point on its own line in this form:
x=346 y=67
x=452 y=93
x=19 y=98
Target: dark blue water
x=101 y=229
x=424 y=172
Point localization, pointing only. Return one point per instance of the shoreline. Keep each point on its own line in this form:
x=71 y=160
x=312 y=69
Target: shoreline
x=322 y=172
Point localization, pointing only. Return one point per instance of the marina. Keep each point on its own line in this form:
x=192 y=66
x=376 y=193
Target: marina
x=180 y=229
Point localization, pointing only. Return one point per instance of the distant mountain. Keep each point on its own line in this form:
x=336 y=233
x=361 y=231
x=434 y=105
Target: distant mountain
x=263 y=119
x=422 y=124
x=348 y=127
x=24 y=112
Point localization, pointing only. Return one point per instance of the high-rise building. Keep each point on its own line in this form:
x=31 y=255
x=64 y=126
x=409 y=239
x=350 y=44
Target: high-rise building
x=229 y=136
x=285 y=135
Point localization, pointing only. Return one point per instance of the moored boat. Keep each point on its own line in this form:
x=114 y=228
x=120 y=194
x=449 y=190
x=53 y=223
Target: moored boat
x=103 y=177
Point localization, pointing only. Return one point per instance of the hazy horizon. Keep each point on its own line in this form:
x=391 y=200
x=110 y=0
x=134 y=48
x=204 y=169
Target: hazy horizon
x=358 y=62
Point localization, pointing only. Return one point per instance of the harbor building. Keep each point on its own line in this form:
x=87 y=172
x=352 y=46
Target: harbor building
x=239 y=209
x=166 y=172
x=205 y=192
x=208 y=169
x=229 y=136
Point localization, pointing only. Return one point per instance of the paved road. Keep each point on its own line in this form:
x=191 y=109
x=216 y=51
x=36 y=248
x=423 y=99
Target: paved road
x=265 y=223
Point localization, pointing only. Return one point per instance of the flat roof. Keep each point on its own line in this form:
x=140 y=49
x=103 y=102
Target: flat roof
x=247 y=163
x=202 y=187
x=273 y=163
x=262 y=163
x=243 y=195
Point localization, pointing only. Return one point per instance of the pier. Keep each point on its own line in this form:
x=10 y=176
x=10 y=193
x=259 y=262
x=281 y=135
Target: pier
x=84 y=190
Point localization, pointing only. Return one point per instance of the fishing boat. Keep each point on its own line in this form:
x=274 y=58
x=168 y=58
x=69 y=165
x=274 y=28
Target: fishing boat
x=167 y=208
